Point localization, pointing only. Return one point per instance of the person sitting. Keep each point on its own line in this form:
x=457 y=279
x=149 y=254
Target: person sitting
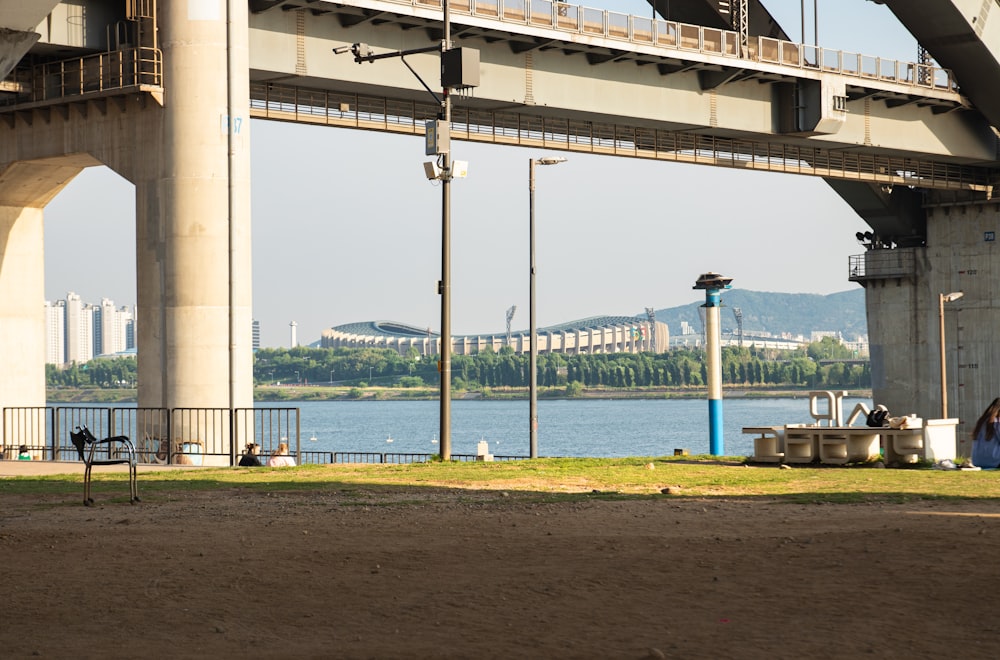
x=250 y=458
x=280 y=457
x=23 y=454
x=986 y=437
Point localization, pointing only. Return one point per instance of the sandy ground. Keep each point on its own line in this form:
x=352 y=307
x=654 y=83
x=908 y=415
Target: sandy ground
x=434 y=573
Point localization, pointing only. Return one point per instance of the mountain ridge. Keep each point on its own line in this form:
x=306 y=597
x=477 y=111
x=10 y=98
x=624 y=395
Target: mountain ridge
x=777 y=313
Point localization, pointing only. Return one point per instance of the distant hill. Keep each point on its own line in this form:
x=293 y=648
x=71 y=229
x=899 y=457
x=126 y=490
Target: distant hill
x=796 y=313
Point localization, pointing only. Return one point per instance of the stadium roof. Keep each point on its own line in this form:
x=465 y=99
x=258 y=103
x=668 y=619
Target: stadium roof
x=395 y=329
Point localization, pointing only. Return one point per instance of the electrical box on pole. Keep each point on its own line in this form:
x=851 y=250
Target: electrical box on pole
x=437 y=137
x=460 y=68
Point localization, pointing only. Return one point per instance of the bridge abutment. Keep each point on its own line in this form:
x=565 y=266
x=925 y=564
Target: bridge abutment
x=904 y=316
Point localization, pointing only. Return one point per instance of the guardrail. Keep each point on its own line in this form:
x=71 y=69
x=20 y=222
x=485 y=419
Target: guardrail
x=348 y=109
x=646 y=31
x=92 y=74
x=882 y=264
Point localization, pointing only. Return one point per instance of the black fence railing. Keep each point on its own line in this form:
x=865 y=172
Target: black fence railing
x=185 y=436
x=181 y=436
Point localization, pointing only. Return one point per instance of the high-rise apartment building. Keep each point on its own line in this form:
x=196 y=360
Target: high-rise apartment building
x=55 y=332
x=111 y=326
x=76 y=332
x=79 y=330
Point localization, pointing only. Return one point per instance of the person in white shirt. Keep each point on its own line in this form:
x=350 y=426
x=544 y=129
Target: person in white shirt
x=280 y=457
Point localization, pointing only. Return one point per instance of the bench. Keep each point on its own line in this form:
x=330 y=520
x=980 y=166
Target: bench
x=768 y=446
x=933 y=440
x=829 y=440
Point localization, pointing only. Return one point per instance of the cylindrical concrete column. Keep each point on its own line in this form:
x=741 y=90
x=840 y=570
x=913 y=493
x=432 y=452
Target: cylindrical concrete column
x=713 y=284
x=194 y=254
x=22 y=291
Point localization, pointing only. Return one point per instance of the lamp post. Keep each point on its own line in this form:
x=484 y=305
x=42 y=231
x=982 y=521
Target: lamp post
x=942 y=299
x=297 y=380
x=331 y=376
x=532 y=331
x=369 y=376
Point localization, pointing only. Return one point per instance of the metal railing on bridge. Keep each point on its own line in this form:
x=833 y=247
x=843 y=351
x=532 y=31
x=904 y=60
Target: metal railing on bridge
x=648 y=31
x=90 y=75
x=349 y=109
x=882 y=264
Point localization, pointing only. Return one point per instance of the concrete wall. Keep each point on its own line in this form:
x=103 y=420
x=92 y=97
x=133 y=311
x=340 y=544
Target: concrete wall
x=903 y=319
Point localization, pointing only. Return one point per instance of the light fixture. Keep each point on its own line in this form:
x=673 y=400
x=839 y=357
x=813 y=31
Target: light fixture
x=532 y=330
x=942 y=299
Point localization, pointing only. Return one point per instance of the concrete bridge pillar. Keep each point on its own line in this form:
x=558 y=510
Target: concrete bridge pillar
x=193 y=233
x=25 y=189
x=189 y=162
x=961 y=254
x=22 y=330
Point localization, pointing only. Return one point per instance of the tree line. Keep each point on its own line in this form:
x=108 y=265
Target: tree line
x=826 y=363
x=822 y=364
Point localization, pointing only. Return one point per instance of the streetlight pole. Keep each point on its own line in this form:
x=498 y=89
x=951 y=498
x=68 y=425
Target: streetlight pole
x=942 y=299
x=297 y=377
x=331 y=376
x=459 y=70
x=444 y=416
x=532 y=330
x=369 y=376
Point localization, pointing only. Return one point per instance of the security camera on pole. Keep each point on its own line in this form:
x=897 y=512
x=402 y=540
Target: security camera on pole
x=713 y=284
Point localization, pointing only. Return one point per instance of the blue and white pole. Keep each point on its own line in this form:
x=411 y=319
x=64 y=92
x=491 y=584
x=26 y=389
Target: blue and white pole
x=713 y=284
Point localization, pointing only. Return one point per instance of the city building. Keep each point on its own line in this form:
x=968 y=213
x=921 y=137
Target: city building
x=55 y=332
x=76 y=332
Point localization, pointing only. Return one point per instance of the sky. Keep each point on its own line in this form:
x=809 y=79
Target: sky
x=347 y=228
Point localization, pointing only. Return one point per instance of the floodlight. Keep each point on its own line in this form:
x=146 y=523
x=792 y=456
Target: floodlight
x=432 y=170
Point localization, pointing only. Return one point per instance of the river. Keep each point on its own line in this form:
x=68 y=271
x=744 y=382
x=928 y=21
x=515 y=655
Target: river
x=571 y=427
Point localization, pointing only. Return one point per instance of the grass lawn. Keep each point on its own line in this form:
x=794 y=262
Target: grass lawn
x=567 y=478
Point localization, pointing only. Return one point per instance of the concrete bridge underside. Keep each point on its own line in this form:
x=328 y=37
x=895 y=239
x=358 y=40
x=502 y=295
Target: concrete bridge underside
x=918 y=161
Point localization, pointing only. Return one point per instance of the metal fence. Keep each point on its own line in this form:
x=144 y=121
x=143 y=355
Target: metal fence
x=182 y=436
x=191 y=436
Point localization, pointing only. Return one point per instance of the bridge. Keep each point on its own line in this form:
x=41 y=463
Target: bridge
x=912 y=146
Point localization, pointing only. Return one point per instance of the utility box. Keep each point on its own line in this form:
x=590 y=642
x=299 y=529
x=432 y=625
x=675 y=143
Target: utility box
x=460 y=68
x=437 y=134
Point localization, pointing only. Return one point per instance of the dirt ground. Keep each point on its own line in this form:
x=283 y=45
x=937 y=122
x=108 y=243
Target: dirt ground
x=432 y=573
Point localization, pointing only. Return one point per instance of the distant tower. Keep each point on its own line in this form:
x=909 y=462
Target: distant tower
x=651 y=315
x=510 y=317
x=294 y=340
x=738 y=313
